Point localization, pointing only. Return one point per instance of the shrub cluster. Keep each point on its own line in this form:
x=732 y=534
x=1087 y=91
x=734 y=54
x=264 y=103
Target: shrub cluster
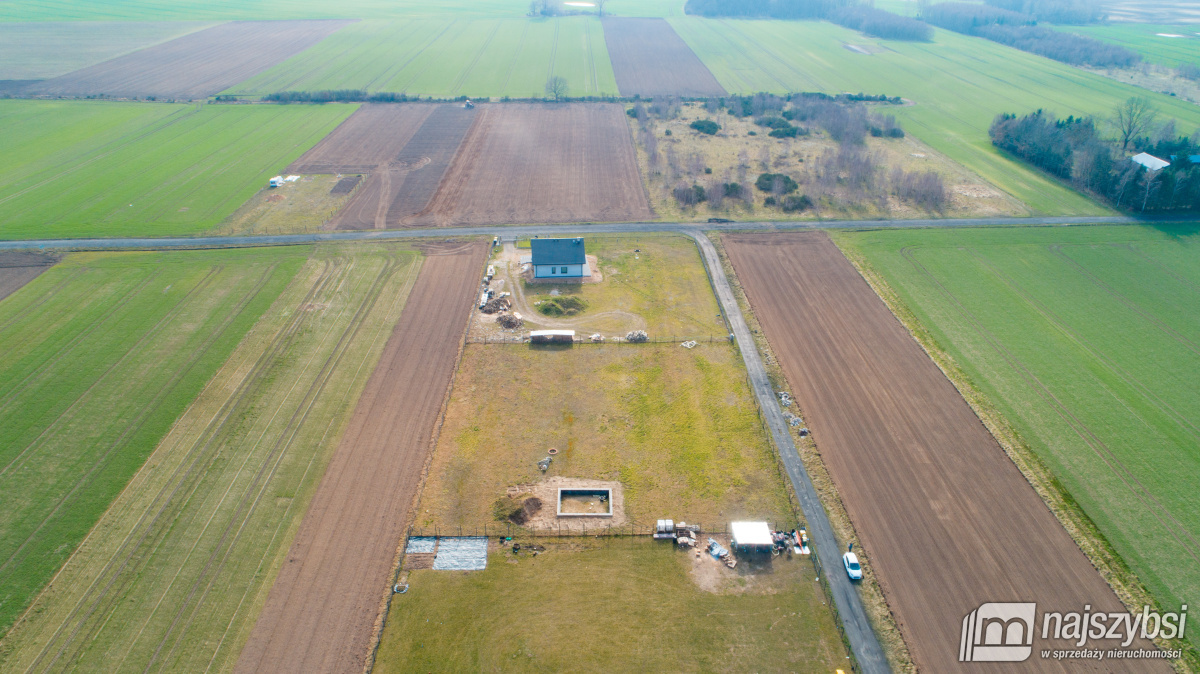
x=776 y=183
x=1189 y=71
x=706 y=126
x=880 y=23
x=923 y=188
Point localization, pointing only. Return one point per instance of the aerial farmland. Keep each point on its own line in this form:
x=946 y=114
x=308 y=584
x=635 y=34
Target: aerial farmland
x=610 y=335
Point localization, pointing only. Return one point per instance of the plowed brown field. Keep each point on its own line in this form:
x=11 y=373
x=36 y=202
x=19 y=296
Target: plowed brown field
x=19 y=268
x=321 y=612
x=194 y=66
x=371 y=137
x=527 y=163
x=649 y=58
x=945 y=516
x=518 y=163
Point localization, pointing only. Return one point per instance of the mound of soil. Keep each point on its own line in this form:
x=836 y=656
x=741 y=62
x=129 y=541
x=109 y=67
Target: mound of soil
x=562 y=306
x=516 y=510
x=509 y=322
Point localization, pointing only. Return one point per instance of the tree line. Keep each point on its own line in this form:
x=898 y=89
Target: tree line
x=1019 y=30
x=1075 y=150
x=1054 y=11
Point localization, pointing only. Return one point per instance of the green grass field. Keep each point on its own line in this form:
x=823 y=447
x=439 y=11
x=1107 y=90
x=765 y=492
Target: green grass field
x=958 y=84
x=1144 y=39
x=72 y=169
x=1088 y=342
x=101 y=355
x=448 y=57
x=175 y=573
x=40 y=50
x=227 y=10
x=611 y=605
x=653 y=282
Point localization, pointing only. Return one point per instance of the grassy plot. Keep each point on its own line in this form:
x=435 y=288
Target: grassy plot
x=449 y=56
x=1164 y=45
x=70 y=169
x=958 y=84
x=101 y=355
x=41 y=50
x=301 y=206
x=176 y=571
x=677 y=427
x=1088 y=342
x=618 y=604
x=650 y=282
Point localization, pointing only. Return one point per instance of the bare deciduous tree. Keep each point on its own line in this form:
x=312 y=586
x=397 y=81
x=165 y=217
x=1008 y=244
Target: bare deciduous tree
x=556 y=87
x=600 y=6
x=1133 y=118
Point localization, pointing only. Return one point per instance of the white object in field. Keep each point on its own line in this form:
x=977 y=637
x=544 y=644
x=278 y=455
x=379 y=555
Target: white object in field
x=291 y=179
x=850 y=561
x=543 y=336
x=491 y=270
x=751 y=533
x=276 y=181
x=483 y=299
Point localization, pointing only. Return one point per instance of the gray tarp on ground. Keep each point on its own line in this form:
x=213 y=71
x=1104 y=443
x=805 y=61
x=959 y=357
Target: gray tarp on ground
x=468 y=553
x=420 y=544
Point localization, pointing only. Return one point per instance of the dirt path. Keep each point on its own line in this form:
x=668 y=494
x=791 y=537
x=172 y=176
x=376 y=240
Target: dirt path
x=945 y=517
x=321 y=612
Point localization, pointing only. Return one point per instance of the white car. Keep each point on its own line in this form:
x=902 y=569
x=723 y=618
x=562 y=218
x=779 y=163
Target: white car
x=850 y=561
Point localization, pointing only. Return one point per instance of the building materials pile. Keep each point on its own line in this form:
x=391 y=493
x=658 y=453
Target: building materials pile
x=637 y=336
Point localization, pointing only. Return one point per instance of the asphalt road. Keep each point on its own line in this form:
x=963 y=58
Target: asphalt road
x=529 y=230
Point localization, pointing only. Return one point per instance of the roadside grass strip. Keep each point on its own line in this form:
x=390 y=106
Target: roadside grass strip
x=102 y=354
x=1087 y=340
x=450 y=56
x=71 y=169
x=175 y=573
x=958 y=84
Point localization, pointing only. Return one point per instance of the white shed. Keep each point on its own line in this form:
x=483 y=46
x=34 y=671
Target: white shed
x=1150 y=161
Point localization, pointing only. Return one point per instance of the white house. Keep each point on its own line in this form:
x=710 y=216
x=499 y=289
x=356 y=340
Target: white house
x=559 y=258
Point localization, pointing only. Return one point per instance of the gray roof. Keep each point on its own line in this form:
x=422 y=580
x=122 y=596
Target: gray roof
x=558 y=251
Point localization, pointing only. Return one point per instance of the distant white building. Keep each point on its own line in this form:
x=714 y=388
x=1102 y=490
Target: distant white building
x=559 y=258
x=1150 y=161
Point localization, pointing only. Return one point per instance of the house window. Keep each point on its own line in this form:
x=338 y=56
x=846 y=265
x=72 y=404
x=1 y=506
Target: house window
x=552 y=270
x=564 y=270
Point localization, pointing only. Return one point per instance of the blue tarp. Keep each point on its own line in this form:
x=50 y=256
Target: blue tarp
x=468 y=553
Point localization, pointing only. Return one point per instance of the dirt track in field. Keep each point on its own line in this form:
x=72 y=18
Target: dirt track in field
x=946 y=519
x=194 y=66
x=649 y=58
x=19 y=268
x=321 y=612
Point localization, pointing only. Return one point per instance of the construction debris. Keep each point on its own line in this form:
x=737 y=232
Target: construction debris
x=496 y=305
x=690 y=344
x=637 y=337
x=718 y=552
x=792 y=419
x=544 y=464
x=597 y=337
x=785 y=399
x=509 y=321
